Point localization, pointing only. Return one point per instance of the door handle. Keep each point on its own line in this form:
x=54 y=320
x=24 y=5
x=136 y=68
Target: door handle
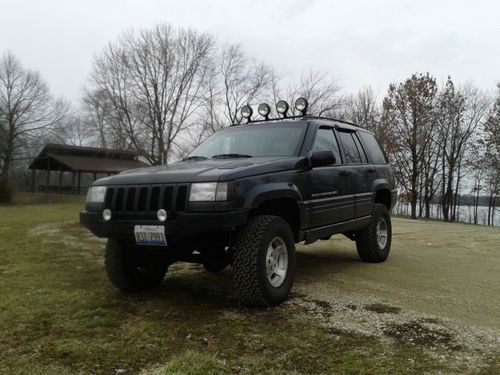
x=371 y=170
x=345 y=173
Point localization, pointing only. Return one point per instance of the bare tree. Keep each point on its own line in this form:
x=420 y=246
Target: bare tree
x=97 y=112
x=363 y=109
x=491 y=142
x=477 y=166
x=429 y=180
x=232 y=80
x=319 y=88
x=243 y=81
x=26 y=110
x=162 y=91
x=149 y=85
x=76 y=130
x=460 y=115
x=408 y=117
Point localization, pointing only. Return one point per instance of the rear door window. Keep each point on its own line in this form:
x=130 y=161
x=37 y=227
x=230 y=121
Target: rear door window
x=351 y=153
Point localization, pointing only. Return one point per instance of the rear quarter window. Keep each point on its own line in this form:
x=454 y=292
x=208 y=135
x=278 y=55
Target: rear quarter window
x=373 y=148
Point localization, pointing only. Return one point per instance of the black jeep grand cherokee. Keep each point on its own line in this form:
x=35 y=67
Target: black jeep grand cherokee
x=244 y=198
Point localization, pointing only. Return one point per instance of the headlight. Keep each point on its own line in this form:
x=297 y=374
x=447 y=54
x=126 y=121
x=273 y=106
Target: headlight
x=209 y=191
x=96 y=194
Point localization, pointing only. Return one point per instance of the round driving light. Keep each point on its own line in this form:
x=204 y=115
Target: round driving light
x=264 y=110
x=282 y=107
x=246 y=112
x=106 y=214
x=161 y=215
x=301 y=105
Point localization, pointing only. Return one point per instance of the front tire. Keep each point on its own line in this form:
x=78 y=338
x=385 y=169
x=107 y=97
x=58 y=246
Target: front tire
x=264 y=261
x=130 y=272
x=374 y=242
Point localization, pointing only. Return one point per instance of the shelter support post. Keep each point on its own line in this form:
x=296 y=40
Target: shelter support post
x=78 y=180
x=60 y=180
x=47 y=183
x=33 y=180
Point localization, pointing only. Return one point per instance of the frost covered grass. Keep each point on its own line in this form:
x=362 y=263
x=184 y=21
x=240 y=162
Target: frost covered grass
x=432 y=308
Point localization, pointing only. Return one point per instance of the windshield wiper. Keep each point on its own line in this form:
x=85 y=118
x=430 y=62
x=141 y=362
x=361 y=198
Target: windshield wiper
x=195 y=157
x=229 y=156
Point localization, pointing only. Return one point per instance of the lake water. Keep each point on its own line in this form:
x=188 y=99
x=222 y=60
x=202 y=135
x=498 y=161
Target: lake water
x=465 y=213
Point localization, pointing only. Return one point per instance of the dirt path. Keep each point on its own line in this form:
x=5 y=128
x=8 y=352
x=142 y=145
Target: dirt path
x=448 y=270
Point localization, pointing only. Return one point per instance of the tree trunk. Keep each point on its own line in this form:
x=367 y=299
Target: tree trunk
x=448 y=197
x=476 y=205
x=414 y=206
x=493 y=210
x=456 y=213
x=4 y=172
x=490 y=203
x=4 y=175
x=427 y=209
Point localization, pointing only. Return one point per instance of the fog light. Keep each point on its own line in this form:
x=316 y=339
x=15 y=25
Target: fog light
x=161 y=215
x=106 y=215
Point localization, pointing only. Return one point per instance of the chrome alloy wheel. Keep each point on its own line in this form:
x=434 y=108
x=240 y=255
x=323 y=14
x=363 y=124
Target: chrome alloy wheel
x=276 y=262
x=382 y=233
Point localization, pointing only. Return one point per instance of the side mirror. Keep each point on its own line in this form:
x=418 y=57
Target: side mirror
x=322 y=158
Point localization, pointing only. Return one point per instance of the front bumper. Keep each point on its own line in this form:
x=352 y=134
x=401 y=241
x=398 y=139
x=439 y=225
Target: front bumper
x=184 y=225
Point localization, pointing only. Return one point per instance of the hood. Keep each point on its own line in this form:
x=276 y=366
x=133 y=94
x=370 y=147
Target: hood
x=203 y=170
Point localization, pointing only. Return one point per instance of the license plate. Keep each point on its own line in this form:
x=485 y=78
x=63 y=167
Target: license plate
x=150 y=235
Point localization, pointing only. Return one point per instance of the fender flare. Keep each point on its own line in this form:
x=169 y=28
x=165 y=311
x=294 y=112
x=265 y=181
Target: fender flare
x=270 y=191
x=380 y=184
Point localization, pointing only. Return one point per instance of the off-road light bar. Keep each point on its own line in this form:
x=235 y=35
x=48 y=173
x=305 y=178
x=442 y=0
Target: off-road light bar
x=282 y=108
x=264 y=110
x=301 y=105
x=246 y=112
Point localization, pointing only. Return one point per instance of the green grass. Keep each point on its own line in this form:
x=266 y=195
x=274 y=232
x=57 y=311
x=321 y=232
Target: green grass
x=59 y=315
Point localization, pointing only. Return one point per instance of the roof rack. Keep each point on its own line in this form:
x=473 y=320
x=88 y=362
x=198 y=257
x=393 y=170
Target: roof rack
x=331 y=119
x=302 y=117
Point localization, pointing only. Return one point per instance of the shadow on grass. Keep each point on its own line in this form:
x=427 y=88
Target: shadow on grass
x=313 y=266
x=190 y=286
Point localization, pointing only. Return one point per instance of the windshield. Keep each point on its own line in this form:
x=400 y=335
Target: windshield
x=254 y=140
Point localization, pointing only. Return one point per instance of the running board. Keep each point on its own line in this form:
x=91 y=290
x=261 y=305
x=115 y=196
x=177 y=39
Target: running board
x=314 y=234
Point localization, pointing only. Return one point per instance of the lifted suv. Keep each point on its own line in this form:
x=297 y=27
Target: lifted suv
x=244 y=198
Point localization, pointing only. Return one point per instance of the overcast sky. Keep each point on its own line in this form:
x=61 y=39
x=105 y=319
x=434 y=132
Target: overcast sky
x=364 y=42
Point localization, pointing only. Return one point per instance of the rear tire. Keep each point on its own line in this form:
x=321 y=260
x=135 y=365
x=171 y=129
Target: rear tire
x=264 y=261
x=374 y=242
x=130 y=272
